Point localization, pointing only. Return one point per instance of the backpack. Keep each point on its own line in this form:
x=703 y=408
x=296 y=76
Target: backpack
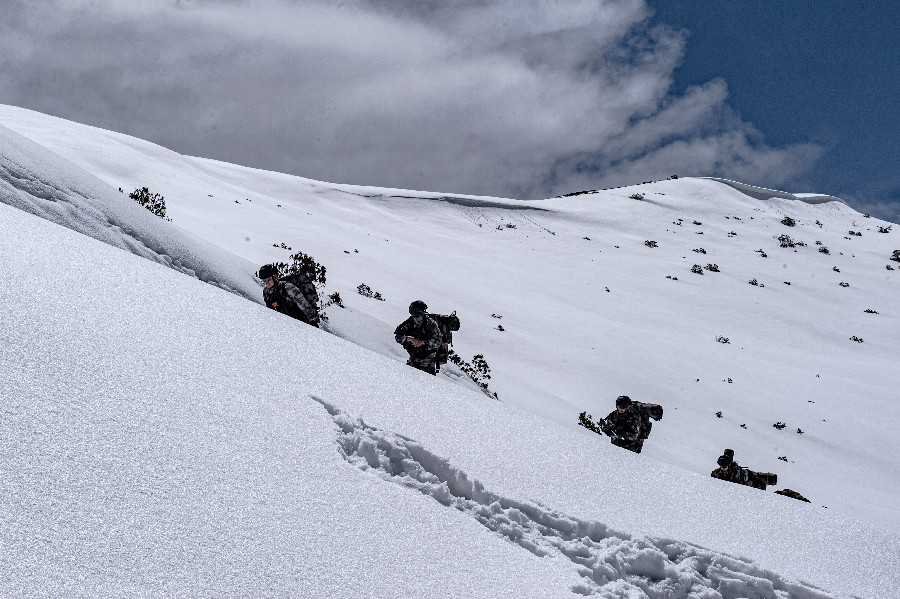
x=304 y=280
x=646 y=412
x=447 y=324
x=649 y=410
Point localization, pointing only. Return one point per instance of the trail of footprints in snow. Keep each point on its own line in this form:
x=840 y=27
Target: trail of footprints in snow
x=611 y=564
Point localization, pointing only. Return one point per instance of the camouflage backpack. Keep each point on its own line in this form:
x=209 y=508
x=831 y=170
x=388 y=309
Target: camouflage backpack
x=646 y=412
x=304 y=280
x=447 y=324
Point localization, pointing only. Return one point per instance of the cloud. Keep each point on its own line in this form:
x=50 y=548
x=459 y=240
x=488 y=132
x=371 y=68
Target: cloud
x=521 y=98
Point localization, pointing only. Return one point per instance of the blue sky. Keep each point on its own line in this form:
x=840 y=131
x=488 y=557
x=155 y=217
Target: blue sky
x=515 y=98
x=821 y=71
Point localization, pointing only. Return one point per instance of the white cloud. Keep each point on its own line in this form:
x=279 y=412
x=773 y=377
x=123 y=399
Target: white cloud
x=495 y=97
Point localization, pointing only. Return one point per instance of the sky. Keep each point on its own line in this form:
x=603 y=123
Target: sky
x=522 y=99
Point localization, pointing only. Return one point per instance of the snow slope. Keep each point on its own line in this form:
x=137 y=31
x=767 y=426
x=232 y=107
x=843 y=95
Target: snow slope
x=161 y=437
x=570 y=345
x=188 y=360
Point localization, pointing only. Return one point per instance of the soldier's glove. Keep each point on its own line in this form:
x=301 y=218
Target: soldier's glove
x=415 y=342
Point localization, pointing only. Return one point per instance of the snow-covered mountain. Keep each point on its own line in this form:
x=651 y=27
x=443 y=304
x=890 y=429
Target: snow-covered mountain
x=166 y=437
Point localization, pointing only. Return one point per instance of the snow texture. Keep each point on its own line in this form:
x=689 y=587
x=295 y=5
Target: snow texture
x=75 y=199
x=158 y=436
x=612 y=564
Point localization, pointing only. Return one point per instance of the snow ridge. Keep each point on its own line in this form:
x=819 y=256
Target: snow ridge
x=35 y=180
x=611 y=564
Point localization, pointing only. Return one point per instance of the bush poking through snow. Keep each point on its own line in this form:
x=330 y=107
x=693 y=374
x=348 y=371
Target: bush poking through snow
x=303 y=262
x=886 y=229
x=587 y=421
x=712 y=267
x=366 y=291
x=636 y=196
x=870 y=311
x=857 y=339
x=754 y=282
x=477 y=370
x=700 y=250
x=153 y=202
x=334 y=300
x=722 y=339
x=895 y=256
x=787 y=221
x=843 y=284
x=786 y=242
x=824 y=250
x=779 y=425
x=650 y=244
x=697 y=269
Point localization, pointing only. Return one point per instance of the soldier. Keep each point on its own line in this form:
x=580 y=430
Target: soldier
x=287 y=298
x=629 y=424
x=420 y=337
x=732 y=472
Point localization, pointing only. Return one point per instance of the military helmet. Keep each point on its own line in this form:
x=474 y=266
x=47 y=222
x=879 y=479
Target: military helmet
x=266 y=271
x=623 y=401
x=418 y=307
x=725 y=460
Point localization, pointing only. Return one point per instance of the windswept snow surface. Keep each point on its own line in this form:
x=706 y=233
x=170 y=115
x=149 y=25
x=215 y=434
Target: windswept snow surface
x=161 y=437
x=40 y=182
x=588 y=310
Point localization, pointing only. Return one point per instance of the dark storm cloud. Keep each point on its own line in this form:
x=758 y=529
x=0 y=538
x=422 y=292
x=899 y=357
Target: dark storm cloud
x=524 y=98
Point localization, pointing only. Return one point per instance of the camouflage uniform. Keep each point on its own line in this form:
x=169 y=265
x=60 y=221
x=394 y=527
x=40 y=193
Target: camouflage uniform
x=422 y=327
x=739 y=475
x=288 y=299
x=626 y=430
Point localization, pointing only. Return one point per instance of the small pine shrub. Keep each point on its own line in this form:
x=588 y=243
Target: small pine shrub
x=753 y=282
x=787 y=221
x=334 y=300
x=301 y=262
x=700 y=250
x=650 y=244
x=587 y=421
x=786 y=241
x=857 y=339
x=779 y=425
x=721 y=339
x=153 y=202
x=477 y=370
x=366 y=291
x=895 y=256
x=886 y=229
x=712 y=267
x=697 y=269
x=824 y=250
x=636 y=196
